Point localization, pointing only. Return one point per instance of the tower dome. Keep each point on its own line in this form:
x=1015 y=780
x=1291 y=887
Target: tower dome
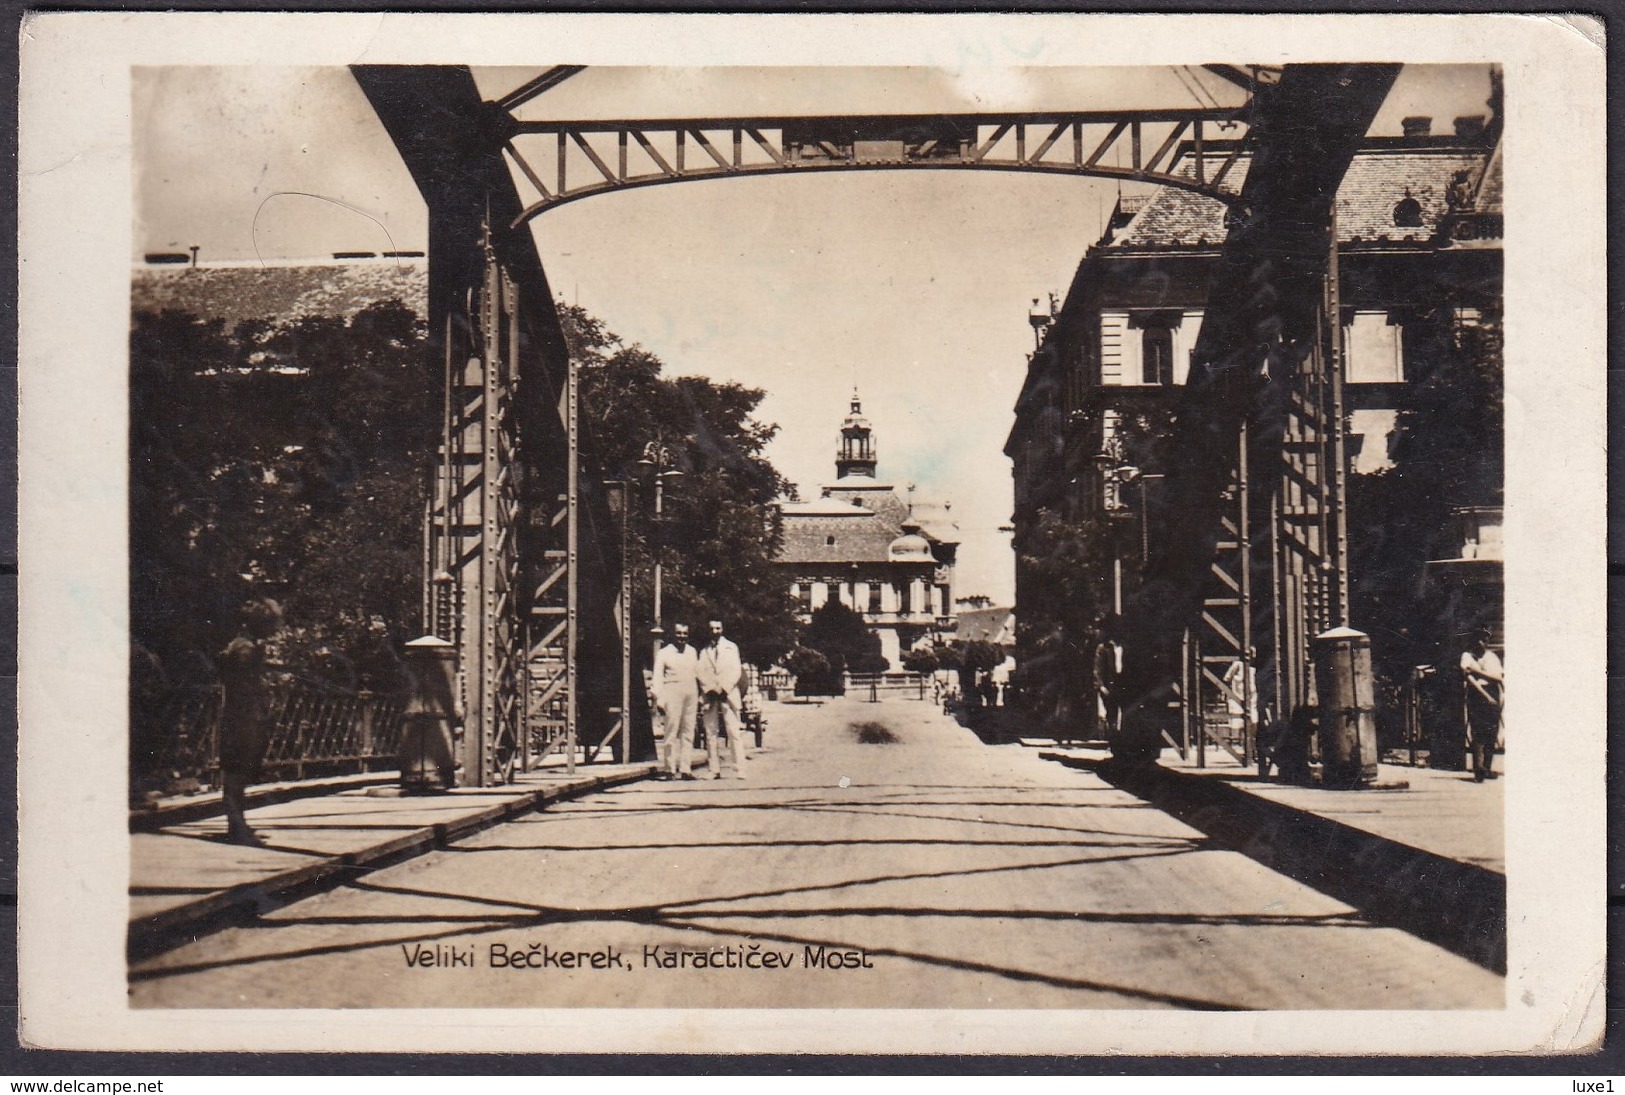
x=911 y=547
x=856 y=456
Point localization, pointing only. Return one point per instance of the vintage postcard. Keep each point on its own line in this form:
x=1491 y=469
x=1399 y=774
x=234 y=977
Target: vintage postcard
x=976 y=534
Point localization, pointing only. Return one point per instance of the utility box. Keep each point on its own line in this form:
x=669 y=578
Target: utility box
x=1348 y=714
x=429 y=721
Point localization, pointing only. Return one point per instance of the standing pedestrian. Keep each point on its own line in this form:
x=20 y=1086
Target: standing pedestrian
x=676 y=678
x=244 y=727
x=1483 y=681
x=719 y=674
x=1241 y=692
x=1108 y=674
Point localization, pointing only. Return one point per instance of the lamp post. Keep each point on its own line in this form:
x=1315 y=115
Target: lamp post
x=657 y=460
x=620 y=498
x=1113 y=478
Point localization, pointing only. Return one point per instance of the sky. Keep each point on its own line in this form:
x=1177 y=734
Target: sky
x=912 y=286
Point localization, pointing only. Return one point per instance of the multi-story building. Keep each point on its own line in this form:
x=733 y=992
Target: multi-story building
x=1418 y=233
x=861 y=543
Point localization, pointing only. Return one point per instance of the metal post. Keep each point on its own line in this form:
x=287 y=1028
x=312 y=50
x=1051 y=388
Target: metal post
x=572 y=526
x=490 y=500
x=1244 y=546
x=1337 y=481
x=658 y=631
x=1201 y=713
x=626 y=629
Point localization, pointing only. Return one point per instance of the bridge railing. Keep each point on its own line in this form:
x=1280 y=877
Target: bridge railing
x=879 y=686
x=315 y=730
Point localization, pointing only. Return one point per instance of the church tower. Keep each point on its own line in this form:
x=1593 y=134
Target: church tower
x=857 y=453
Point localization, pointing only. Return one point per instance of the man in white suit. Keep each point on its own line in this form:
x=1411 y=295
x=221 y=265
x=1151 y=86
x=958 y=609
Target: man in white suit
x=720 y=673
x=675 y=675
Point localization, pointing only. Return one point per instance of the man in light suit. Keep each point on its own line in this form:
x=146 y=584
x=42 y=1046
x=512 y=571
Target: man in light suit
x=720 y=673
x=675 y=675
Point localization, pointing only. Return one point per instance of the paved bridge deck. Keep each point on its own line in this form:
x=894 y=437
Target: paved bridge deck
x=187 y=881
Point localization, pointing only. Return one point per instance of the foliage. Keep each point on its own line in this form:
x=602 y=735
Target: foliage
x=1069 y=563
x=719 y=531
x=980 y=656
x=814 y=674
x=282 y=460
x=922 y=659
x=839 y=633
x=1447 y=452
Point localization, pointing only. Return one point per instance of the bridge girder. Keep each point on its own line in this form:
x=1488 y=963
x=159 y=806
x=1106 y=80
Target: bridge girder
x=1192 y=149
x=1258 y=426
x=511 y=577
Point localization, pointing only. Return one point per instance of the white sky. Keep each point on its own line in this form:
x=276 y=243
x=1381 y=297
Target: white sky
x=914 y=285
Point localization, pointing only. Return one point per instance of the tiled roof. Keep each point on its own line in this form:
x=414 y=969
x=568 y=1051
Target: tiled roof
x=1488 y=198
x=1377 y=180
x=984 y=624
x=884 y=502
x=824 y=507
x=279 y=293
x=862 y=538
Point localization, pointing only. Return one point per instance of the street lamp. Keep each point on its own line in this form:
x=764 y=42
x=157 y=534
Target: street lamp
x=1113 y=478
x=657 y=459
x=1040 y=319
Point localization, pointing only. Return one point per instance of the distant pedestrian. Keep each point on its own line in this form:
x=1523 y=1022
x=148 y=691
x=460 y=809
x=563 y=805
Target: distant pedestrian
x=720 y=670
x=245 y=729
x=676 y=674
x=1483 y=682
x=1241 y=692
x=1108 y=677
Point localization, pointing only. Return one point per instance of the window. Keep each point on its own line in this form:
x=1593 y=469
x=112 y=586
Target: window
x=1408 y=213
x=1157 y=355
x=874 y=597
x=829 y=541
x=905 y=598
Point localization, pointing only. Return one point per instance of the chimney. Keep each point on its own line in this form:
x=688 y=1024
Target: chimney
x=1470 y=125
x=1417 y=126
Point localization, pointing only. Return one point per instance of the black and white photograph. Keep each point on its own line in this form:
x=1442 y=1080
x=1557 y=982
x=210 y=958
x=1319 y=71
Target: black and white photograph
x=983 y=535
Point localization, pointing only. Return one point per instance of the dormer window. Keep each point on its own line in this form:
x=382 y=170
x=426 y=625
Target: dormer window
x=1408 y=213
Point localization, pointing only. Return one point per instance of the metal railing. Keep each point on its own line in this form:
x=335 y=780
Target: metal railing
x=316 y=730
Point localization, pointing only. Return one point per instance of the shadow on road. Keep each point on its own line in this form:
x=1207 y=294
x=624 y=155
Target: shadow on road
x=1458 y=906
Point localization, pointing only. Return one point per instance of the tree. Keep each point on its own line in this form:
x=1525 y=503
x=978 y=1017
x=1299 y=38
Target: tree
x=720 y=532
x=1067 y=563
x=922 y=659
x=283 y=459
x=1447 y=452
x=839 y=633
x=813 y=672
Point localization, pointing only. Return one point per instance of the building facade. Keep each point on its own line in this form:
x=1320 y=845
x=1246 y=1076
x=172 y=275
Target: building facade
x=861 y=543
x=1418 y=232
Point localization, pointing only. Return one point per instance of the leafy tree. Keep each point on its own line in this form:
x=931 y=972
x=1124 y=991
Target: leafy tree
x=814 y=674
x=282 y=459
x=720 y=531
x=922 y=659
x=1069 y=561
x=1447 y=452
x=839 y=633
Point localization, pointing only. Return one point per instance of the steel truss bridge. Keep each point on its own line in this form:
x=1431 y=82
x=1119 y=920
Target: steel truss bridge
x=522 y=557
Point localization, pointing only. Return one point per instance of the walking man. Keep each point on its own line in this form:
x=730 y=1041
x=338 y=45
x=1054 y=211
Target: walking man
x=244 y=727
x=1108 y=672
x=1482 y=681
x=676 y=678
x=720 y=673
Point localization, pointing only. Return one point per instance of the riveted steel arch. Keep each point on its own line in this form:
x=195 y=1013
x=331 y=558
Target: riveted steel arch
x=565 y=161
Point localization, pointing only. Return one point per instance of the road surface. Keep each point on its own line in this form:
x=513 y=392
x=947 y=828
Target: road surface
x=903 y=865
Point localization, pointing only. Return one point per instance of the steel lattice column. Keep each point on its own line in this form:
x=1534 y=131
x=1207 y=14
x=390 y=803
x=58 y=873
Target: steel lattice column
x=501 y=541
x=1263 y=364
